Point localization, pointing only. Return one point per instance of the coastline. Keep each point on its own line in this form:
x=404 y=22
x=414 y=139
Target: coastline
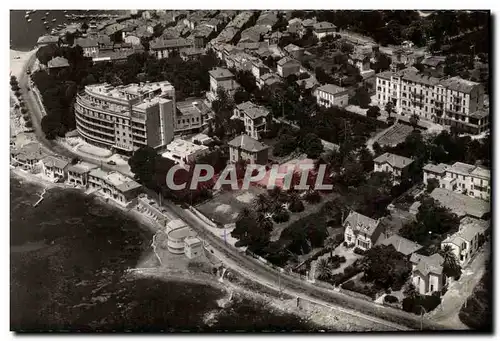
x=17 y=65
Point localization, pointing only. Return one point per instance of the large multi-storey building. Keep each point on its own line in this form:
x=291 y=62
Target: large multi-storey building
x=253 y=116
x=221 y=78
x=127 y=117
x=452 y=102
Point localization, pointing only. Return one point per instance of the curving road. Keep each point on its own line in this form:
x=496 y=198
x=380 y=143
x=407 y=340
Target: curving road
x=387 y=317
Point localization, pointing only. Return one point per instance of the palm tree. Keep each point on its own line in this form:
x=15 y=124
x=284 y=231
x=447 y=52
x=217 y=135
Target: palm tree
x=331 y=244
x=323 y=269
x=261 y=203
x=451 y=266
x=264 y=221
x=414 y=119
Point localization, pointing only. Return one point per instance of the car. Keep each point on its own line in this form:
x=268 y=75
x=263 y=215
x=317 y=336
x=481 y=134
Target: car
x=112 y=163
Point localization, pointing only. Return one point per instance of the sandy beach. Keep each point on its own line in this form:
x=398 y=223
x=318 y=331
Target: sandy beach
x=18 y=59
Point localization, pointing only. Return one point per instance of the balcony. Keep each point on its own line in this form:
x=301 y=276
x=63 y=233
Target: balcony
x=417 y=95
x=87 y=120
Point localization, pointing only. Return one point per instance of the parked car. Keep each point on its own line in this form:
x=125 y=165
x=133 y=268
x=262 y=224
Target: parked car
x=112 y=163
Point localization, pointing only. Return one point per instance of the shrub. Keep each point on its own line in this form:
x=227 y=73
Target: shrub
x=17 y=93
x=313 y=197
x=15 y=87
x=359 y=251
x=281 y=216
x=296 y=206
x=26 y=117
x=391 y=299
x=429 y=302
x=345 y=244
x=28 y=124
x=339 y=238
x=349 y=285
x=24 y=110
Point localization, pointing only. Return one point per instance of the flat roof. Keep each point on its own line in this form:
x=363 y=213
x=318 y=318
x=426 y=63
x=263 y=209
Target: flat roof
x=461 y=204
x=332 y=89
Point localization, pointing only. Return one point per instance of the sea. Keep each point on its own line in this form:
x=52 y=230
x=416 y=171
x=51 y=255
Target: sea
x=24 y=34
x=68 y=260
x=69 y=254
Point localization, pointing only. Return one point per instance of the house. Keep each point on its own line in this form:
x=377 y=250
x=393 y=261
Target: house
x=115 y=31
x=54 y=167
x=273 y=38
x=464 y=178
x=427 y=273
x=395 y=164
x=246 y=148
x=462 y=205
x=202 y=139
x=114 y=185
x=323 y=29
x=115 y=56
x=191 y=53
x=287 y=66
x=193 y=247
x=307 y=24
x=329 y=94
x=221 y=78
x=402 y=245
x=361 y=231
x=310 y=83
x=253 y=116
x=57 y=64
x=184 y=152
x=47 y=40
x=434 y=65
x=406 y=57
x=294 y=51
x=191 y=115
x=269 y=79
x=78 y=174
x=27 y=156
x=267 y=19
x=162 y=48
x=466 y=241
x=362 y=62
x=133 y=39
x=90 y=46
x=259 y=69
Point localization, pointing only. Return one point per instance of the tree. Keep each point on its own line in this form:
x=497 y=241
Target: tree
x=361 y=98
x=296 y=205
x=323 y=269
x=451 y=266
x=389 y=108
x=414 y=119
x=261 y=203
x=143 y=165
x=373 y=112
x=241 y=95
x=312 y=146
x=85 y=26
x=432 y=184
x=410 y=290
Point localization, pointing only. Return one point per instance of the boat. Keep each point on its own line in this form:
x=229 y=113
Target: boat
x=45 y=23
x=47 y=13
x=33 y=11
x=28 y=12
x=65 y=11
x=29 y=20
x=54 y=20
x=26 y=16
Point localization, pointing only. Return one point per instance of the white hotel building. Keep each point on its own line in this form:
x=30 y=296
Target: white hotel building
x=127 y=117
x=452 y=102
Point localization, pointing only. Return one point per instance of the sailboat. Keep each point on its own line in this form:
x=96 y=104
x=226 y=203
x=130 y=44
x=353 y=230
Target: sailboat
x=28 y=12
x=26 y=16
x=54 y=20
x=29 y=20
x=45 y=23
x=47 y=13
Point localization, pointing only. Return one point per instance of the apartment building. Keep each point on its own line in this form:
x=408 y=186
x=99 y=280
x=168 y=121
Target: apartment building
x=163 y=48
x=89 y=46
x=329 y=95
x=254 y=117
x=191 y=115
x=287 y=66
x=127 y=117
x=452 y=102
x=471 y=180
x=223 y=78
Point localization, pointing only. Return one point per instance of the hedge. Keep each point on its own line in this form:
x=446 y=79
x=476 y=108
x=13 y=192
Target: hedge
x=429 y=302
x=365 y=290
x=359 y=251
x=281 y=216
x=391 y=299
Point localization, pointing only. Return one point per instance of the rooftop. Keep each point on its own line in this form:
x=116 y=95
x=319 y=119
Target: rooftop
x=169 y=43
x=286 y=60
x=81 y=167
x=175 y=224
x=48 y=39
x=247 y=143
x=86 y=42
x=439 y=169
x=469 y=228
x=220 y=73
x=428 y=264
x=394 y=160
x=252 y=110
x=324 y=25
x=481 y=172
x=191 y=241
x=132 y=90
x=361 y=223
x=433 y=61
x=181 y=233
x=57 y=62
x=117 y=180
x=52 y=161
x=459 y=84
x=192 y=106
x=461 y=168
x=461 y=204
x=402 y=245
x=182 y=148
x=332 y=89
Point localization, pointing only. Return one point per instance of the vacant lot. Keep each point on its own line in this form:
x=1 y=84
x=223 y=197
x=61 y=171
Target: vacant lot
x=225 y=207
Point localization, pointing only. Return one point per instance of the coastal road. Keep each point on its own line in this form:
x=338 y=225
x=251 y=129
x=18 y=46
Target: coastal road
x=261 y=273
x=252 y=268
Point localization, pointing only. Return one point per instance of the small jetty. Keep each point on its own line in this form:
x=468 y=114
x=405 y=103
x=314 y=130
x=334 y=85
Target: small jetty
x=41 y=197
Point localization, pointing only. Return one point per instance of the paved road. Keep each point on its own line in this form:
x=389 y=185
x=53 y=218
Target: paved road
x=252 y=268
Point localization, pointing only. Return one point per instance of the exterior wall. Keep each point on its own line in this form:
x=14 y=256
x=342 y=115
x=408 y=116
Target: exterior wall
x=327 y=100
x=193 y=251
x=54 y=172
x=236 y=154
x=90 y=51
x=288 y=69
x=386 y=167
x=432 y=102
x=426 y=285
x=431 y=175
x=420 y=282
x=359 y=240
x=77 y=178
x=320 y=34
x=481 y=188
x=133 y=40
